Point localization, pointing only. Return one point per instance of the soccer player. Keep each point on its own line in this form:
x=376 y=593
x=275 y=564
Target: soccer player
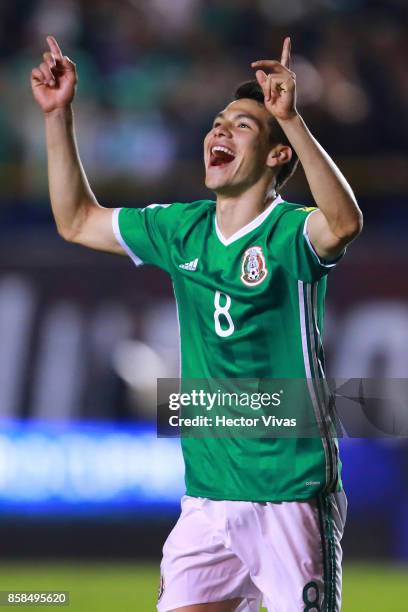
x=261 y=518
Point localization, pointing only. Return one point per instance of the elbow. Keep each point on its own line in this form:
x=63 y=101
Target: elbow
x=64 y=233
x=72 y=229
x=352 y=228
x=360 y=222
x=67 y=233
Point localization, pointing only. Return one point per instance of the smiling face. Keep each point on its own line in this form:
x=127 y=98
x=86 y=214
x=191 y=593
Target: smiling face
x=237 y=149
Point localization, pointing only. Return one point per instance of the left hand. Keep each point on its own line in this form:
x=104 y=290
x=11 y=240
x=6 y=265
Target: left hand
x=279 y=86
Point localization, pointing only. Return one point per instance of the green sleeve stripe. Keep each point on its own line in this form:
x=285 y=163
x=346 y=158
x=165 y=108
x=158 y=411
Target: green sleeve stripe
x=119 y=237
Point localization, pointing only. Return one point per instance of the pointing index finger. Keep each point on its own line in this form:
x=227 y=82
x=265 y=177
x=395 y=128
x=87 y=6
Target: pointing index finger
x=285 y=58
x=273 y=65
x=54 y=47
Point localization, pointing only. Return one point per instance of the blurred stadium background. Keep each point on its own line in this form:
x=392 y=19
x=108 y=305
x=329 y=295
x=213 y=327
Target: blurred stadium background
x=87 y=491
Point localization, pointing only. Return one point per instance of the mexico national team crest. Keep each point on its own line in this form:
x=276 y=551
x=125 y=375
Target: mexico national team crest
x=253 y=270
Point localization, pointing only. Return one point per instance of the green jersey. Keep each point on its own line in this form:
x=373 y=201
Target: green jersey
x=250 y=306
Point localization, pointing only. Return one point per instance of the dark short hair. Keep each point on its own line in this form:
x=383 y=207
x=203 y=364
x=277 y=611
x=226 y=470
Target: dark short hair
x=253 y=91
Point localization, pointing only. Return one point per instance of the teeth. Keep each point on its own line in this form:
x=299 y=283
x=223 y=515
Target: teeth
x=223 y=149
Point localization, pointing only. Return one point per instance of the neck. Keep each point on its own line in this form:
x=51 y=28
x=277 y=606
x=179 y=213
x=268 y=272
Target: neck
x=234 y=212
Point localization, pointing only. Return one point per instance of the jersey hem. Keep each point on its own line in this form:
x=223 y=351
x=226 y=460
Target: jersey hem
x=274 y=499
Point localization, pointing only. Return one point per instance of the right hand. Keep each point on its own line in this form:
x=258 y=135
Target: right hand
x=54 y=81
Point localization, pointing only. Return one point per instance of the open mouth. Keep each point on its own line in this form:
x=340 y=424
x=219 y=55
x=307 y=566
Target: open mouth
x=221 y=156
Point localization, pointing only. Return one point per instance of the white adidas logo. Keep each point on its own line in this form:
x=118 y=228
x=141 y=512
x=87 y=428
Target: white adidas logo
x=191 y=265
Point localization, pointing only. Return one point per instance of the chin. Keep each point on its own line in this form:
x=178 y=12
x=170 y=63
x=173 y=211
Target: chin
x=217 y=189
x=216 y=185
x=213 y=185
x=223 y=189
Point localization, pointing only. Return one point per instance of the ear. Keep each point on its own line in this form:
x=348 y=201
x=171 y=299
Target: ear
x=279 y=155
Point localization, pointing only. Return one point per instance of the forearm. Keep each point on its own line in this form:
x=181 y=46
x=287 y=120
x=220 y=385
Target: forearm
x=70 y=193
x=331 y=191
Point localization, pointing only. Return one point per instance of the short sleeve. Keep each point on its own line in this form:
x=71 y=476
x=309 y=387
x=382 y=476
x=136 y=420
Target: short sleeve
x=292 y=248
x=145 y=233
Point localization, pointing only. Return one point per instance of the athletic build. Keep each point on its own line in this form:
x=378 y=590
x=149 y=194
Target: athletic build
x=260 y=519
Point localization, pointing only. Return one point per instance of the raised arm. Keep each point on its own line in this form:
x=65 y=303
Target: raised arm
x=78 y=215
x=339 y=219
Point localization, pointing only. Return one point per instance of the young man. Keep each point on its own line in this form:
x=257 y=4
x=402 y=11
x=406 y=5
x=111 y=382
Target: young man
x=261 y=517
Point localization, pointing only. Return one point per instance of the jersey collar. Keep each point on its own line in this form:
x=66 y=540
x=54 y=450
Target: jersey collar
x=249 y=226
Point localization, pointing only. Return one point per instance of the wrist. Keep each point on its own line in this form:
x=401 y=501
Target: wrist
x=64 y=113
x=291 y=120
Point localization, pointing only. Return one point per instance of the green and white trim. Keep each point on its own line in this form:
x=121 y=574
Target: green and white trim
x=116 y=230
x=315 y=376
x=331 y=566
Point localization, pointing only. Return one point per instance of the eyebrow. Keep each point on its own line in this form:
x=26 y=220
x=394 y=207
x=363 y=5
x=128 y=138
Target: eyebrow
x=241 y=116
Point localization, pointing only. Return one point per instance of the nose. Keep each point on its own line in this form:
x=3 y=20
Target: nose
x=222 y=129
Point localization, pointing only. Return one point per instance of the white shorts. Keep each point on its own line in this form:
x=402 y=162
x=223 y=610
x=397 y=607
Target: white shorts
x=287 y=554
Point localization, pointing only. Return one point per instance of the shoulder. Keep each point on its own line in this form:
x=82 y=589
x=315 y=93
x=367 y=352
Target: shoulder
x=164 y=218
x=285 y=207
x=293 y=214
x=186 y=206
x=175 y=209
x=288 y=221
x=197 y=207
